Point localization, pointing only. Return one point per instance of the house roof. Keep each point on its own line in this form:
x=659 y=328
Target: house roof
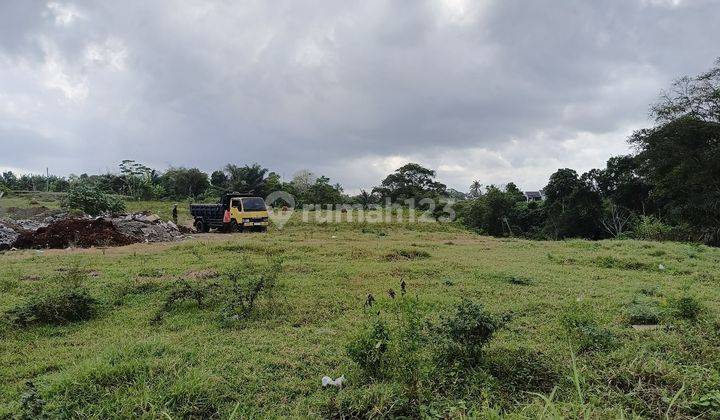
x=533 y=194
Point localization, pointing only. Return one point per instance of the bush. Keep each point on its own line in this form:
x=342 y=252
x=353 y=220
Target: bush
x=686 y=307
x=370 y=350
x=92 y=201
x=582 y=330
x=465 y=333
x=650 y=228
x=64 y=301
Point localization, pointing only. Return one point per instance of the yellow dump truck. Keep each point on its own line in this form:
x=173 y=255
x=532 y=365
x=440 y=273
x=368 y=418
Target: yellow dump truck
x=236 y=212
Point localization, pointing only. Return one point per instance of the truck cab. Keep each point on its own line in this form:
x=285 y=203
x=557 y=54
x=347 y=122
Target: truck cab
x=248 y=213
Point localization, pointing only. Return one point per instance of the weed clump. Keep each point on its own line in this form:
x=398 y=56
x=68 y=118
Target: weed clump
x=406 y=254
x=369 y=350
x=523 y=370
x=32 y=407
x=65 y=301
x=246 y=287
x=617 y=263
x=686 y=307
x=643 y=311
x=519 y=280
x=581 y=328
x=183 y=291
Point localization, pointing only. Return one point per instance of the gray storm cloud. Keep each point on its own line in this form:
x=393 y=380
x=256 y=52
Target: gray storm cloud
x=497 y=91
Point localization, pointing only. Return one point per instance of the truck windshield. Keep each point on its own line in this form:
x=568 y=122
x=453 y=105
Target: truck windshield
x=253 y=204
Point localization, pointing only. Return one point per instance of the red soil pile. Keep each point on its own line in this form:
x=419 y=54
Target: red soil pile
x=82 y=233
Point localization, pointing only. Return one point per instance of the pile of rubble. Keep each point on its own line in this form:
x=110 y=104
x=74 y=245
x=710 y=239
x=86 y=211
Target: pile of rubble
x=145 y=227
x=63 y=231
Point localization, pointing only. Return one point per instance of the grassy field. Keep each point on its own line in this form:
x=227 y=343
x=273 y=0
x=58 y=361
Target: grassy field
x=566 y=347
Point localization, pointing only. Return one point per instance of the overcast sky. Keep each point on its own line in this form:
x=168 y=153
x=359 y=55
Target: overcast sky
x=505 y=90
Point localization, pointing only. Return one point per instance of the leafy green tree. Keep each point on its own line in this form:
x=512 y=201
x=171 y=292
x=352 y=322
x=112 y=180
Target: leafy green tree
x=680 y=157
x=219 y=179
x=622 y=183
x=475 y=190
x=246 y=178
x=695 y=97
x=366 y=199
x=92 y=200
x=322 y=192
x=10 y=180
x=410 y=181
x=183 y=182
x=573 y=206
x=682 y=161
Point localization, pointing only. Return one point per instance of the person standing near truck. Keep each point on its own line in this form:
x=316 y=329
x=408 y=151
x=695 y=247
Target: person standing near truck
x=175 y=214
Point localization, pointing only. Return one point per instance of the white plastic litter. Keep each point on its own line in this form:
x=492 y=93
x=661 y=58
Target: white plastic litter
x=337 y=383
x=661 y=267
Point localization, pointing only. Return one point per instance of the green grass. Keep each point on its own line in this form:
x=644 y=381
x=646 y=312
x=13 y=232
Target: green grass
x=120 y=364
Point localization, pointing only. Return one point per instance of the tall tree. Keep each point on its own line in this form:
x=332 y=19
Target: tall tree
x=246 y=178
x=573 y=206
x=410 y=181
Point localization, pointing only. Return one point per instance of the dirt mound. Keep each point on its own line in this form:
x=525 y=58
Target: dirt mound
x=82 y=233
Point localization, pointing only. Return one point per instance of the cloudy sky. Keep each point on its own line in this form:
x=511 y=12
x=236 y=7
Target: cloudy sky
x=503 y=90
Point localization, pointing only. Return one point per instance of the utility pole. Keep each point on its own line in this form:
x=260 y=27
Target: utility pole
x=47 y=179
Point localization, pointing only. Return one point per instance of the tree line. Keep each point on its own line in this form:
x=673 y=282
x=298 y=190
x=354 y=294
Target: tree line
x=668 y=188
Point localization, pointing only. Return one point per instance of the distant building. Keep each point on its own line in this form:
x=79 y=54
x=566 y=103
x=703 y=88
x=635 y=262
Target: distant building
x=534 y=196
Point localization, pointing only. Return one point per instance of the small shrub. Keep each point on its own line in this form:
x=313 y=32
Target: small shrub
x=653 y=290
x=686 y=307
x=8 y=284
x=370 y=350
x=406 y=254
x=54 y=308
x=582 y=330
x=65 y=301
x=708 y=404
x=651 y=228
x=465 y=333
x=32 y=407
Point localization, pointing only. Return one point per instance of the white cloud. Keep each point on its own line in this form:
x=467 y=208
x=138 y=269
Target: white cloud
x=111 y=53
x=64 y=13
x=55 y=74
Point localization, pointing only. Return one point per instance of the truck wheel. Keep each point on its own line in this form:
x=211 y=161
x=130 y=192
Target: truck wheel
x=200 y=226
x=234 y=226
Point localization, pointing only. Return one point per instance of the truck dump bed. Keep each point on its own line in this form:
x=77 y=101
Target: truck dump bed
x=212 y=214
